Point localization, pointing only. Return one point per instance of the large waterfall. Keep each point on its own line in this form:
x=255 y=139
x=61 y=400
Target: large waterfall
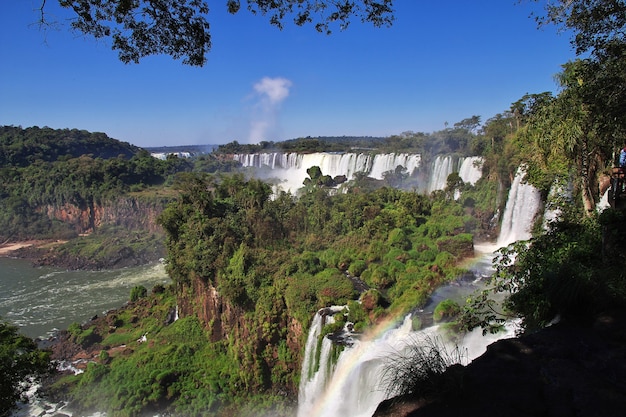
x=352 y=386
x=469 y=170
x=520 y=211
x=290 y=168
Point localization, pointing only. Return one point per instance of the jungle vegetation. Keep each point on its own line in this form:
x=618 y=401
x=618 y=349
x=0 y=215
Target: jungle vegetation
x=22 y=366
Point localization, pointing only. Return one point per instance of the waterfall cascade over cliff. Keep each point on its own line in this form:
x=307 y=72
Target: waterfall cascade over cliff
x=352 y=385
x=521 y=208
x=290 y=168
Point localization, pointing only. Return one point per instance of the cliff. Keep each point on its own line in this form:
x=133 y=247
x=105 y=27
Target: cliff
x=114 y=234
x=127 y=212
x=568 y=369
x=262 y=339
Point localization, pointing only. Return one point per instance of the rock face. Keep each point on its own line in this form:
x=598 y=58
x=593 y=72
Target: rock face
x=255 y=336
x=565 y=370
x=130 y=213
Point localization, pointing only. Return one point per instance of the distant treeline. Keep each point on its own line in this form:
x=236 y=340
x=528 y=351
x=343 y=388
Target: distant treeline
x=192 y=149
x=462 y=138
x=21 y=147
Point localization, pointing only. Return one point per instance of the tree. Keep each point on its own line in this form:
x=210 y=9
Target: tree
x=470 y=124
x=568 y=130
x=558 y=274
x=21 y=366
x=396 y=177
x=596 y=23
x=180 y=28
x=599 y=29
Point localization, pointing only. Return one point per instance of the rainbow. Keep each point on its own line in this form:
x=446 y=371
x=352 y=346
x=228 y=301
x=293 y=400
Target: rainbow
x=355 y=387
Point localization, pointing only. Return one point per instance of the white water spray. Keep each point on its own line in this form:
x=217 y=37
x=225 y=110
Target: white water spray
x=290 y=168
x=352 y=387
x=469 y=169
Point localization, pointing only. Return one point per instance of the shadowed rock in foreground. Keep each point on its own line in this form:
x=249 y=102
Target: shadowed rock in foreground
x=565 y=370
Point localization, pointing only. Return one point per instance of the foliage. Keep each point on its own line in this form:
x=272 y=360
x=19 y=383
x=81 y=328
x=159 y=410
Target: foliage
x=596 y=24
x=111 y=247
x=181 y=28
x=567 y=132
x=418 y=370
x=446 y=310
x=138 y=292
x=21 y=147
x=561 y=273
x=47 y=168
x=22 y=366
x=586 y=121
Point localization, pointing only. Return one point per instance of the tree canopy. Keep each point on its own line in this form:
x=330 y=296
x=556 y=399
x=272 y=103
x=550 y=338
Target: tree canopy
x=596 y=23
x=181 y=29
x=21 y=364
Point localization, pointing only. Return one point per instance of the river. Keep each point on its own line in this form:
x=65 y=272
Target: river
x=42 y=300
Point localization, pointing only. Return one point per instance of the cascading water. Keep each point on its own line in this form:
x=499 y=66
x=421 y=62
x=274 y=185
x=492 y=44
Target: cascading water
x=468 y=168
x=441 y=168
x=520 y=211
x=290 y=168
x=352 y=386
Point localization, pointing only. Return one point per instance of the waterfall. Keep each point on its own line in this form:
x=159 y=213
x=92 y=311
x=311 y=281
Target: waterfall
x=290 y=168
x=441 y=168
x=352 y=385
x=469 y=170
x=521 y=208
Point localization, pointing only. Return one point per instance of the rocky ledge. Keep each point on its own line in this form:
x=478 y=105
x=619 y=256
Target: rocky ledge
x=112 y=256
x=568 y=369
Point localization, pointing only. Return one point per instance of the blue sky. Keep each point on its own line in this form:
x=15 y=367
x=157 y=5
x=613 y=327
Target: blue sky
x=441 y=61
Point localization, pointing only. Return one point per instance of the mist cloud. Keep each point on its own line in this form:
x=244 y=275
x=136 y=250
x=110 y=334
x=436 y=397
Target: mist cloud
x=269 y=94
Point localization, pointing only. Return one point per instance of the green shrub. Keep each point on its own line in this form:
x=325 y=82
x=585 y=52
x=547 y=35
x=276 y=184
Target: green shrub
x=446 y=310
x=418 y=369
x=309 y=263
x=380 y=277
x=74 y=329
x=398 y=239
x=333 y=287
x=357 y=267
x=138 y=292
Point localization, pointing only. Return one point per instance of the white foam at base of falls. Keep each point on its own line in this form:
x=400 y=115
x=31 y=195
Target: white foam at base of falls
x=352 y=387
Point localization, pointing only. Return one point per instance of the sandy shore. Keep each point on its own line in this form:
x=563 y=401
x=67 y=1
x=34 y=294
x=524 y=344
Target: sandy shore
x=7 y=248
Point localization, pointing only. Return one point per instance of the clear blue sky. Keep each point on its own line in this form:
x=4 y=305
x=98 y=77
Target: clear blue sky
x=441 y=61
